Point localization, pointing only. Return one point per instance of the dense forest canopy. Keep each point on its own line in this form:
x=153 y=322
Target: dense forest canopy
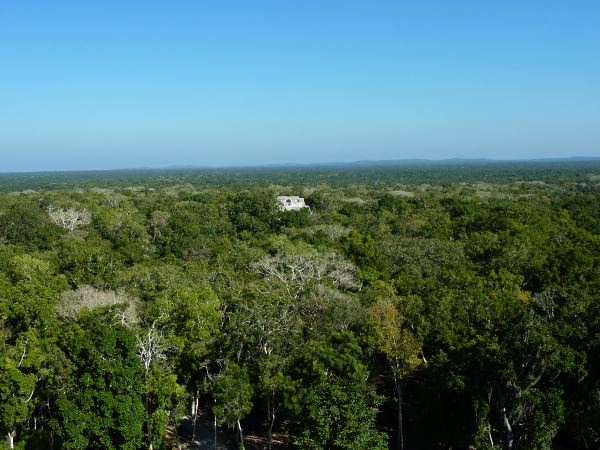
x=418 y=307
x=375 y=172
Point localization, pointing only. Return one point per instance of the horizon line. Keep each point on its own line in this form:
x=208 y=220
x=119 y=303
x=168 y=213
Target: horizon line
x=371 y=162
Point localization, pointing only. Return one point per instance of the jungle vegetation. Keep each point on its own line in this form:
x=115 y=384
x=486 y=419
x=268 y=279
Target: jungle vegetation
x=410 y=308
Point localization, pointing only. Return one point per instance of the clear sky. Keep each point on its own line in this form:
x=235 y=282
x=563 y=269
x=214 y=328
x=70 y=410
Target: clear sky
x=109 y=84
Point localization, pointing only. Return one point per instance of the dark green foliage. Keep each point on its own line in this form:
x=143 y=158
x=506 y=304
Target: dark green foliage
x=367 y=255
x=101 y=407
x=161 y=397
x=254 y=211
x=85 y=262
x=330 y=405
x=339 y=415
x=193 y=230
x=233 y=395
x=23 y=221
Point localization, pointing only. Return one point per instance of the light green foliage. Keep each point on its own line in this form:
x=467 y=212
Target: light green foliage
x=232 y=392
x=163 y=394
x=190 y=316
x=21 y=369
x=387 y=334
x=124 y=228
x=88 y=262
x=24 y=222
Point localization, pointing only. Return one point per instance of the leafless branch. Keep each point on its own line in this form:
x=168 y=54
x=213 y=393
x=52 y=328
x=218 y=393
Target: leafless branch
x=69 y=218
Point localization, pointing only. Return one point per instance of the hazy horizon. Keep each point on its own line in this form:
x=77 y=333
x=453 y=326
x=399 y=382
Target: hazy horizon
x=152 y=84
x=413 y=162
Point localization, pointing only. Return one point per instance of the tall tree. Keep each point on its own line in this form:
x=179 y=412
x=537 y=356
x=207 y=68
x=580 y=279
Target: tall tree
x=233 y=392
x=386 y=334
x=329 y=402
x=101 y=406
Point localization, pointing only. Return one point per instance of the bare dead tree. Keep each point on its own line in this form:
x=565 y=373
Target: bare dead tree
x=158 y=220
x=297 y=272
x=72 y=303
x=150 y=347
x=69 y=218
x=546 y=302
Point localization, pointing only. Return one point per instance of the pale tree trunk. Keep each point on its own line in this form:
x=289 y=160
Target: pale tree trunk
x=51 y=431
x=400 y=436
x=489 y=428
x=508 y=432
x=241 y=435
x=11 y=439
x=270 y=418
x=215 y=432
x=195 y=404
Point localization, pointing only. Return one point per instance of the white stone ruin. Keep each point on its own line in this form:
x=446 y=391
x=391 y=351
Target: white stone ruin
x=292 y=203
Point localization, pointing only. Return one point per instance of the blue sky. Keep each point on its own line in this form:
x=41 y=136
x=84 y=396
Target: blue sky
x=110 y=84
